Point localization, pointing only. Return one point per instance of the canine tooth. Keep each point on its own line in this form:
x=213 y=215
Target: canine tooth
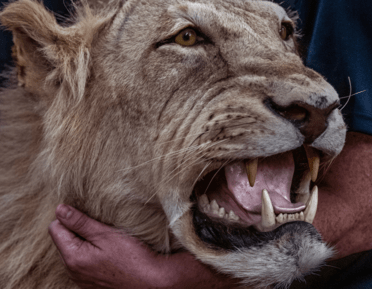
x=314 y=161
x=221 y=212
x=312 y=205
x=203 y=200
x=302 y=216
x=251 y=167
x=267 y=214
x=279 y=218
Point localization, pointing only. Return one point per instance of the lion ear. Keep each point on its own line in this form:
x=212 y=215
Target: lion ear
x=47 y=53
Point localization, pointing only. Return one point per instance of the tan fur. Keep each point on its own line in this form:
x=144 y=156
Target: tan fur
x=105 y=120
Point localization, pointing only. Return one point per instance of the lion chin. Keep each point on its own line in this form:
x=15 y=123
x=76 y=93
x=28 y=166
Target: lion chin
x=188 y=124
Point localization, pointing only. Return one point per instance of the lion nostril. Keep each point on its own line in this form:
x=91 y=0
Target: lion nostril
x=310 y=120
x=294 y=113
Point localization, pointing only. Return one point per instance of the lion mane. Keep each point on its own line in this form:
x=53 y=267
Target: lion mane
x=137 y=113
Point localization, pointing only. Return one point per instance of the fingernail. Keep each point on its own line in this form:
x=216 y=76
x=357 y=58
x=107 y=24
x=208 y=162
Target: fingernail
x=64 y=211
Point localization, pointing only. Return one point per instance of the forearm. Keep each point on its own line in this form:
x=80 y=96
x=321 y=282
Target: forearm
x=192 y=274
x=345 y=198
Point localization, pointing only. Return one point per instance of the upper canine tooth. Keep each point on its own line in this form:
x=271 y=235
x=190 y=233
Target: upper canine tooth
x=251 y=167
x=312 y=205
x=314 y=161
x=267 y=214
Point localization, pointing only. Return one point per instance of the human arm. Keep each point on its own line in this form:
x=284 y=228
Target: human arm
x=345 y=198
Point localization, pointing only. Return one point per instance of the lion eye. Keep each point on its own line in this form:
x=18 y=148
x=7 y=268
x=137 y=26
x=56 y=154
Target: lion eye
x=186 y=37
x=286 y=31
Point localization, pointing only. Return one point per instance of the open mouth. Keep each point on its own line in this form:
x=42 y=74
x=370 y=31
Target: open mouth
x=261 y=194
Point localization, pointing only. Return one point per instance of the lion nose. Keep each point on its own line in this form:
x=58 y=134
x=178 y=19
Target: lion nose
x=310 y=120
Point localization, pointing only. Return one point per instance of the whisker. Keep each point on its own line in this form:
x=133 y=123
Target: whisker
x=216 y=174
x=172 y=177
x=196 y=180
x=185 y=168
x=353 y=94
x=162 y=156
x=348 y=96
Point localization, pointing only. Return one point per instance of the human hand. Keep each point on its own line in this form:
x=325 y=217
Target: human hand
x=98 y=256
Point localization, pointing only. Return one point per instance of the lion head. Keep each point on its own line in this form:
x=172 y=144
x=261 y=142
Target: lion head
x=188 y=124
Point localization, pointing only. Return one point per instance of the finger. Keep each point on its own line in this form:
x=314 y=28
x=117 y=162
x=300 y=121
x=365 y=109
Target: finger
x=81 y=224
x=65 y=240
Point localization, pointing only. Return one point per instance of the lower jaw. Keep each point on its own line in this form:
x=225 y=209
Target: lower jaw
x=224 y=235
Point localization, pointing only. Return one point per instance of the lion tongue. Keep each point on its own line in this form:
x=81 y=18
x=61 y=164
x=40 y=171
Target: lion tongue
x=273 y=174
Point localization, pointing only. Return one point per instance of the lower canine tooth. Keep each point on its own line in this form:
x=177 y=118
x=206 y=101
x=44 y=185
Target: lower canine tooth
x=251 y=167
x=311 y=206
x=267 y=214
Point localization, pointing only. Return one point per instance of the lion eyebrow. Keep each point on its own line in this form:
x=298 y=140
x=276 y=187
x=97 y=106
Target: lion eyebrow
x=126 y=18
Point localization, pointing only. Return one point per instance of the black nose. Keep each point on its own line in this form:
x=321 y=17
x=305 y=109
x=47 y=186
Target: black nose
x=310 y=120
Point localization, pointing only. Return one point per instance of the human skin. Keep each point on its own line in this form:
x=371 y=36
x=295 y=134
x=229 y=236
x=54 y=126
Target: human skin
x=96 y=256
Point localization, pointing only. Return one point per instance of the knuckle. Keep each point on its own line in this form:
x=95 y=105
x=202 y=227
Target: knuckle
x=74 y=263
x=80 y=223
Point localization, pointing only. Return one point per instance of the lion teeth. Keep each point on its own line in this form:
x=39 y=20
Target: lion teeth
x=285 y=218
x=280 y=218
x=267 y=214
x=311 y=206
x=215 y=207
x=302 y=216
x=314 y=161
x=221 y=212
x=232 y=216
x=251 y=167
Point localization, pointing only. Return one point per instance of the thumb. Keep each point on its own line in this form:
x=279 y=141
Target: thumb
x=79 y=223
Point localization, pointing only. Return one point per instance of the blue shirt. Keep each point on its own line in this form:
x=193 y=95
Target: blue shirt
x=338 y=40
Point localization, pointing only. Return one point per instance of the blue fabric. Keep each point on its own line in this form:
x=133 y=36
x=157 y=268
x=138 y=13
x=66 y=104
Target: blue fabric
x=338 y=39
